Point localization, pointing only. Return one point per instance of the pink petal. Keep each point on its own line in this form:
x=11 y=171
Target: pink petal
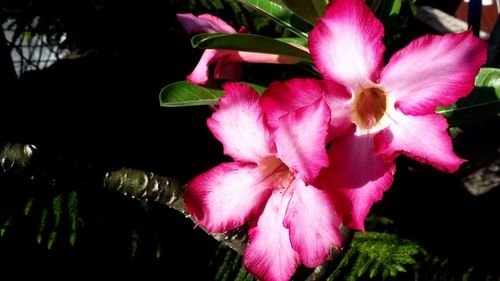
x=200 y=73
x=313 y=224
x=239 y=124
x=300 y=139
x=434 y=71
x=225 y=70
x=270 y=256
x=346 y=45
x=356 y=177
x=226 y=196
x=228 y=58
x=339 y=100
x=282 y=98
x=423 y=138
x=253 y=57
x=243 y=29
x=205 y=23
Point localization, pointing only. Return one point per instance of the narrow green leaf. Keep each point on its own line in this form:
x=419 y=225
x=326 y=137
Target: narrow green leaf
x=73 y=215
x=483 y=103
x=134 y=243
x=396 y=7
x=43 y=225
x=28 y=206
x=260 y=89
x=183 y=93
x=159 y=249
x=57 y=203
x=5 y=226
x=57 y=209
x=281 y=15
x=52 y=239
x=250 y=43
x=399 y=268
x=309 y=10
x=295 y=40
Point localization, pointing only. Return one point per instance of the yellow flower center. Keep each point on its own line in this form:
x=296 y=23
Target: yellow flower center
x=369 y=108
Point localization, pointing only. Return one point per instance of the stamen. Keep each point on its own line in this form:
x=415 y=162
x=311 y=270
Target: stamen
x=369 y=107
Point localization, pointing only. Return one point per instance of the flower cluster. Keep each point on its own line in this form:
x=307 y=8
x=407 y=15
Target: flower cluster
x=227 y=62
x=293 y=191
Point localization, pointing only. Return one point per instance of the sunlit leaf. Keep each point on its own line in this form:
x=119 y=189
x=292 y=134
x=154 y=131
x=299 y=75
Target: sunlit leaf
x=281 y=15
x=483 y=103
x=260 y=89
x=249 y=43
x=183 y=93
x=295 y=40
x=73 y=216
x=377 y=254
x=309 y=10
x=28 y=206
x=396 y=7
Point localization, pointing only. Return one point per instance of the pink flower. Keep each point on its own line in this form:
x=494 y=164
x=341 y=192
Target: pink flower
x=379 y=112
x=271 y=184
x=227 y=62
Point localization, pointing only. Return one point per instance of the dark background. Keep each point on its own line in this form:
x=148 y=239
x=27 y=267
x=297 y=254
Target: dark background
x=94 y=114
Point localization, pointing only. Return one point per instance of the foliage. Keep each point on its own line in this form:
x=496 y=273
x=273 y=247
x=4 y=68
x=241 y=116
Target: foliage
x=281 y=15
x=482 y=103
x=58 y=217
x=394 y=14
x=373 y=254
x=183 y=93
x=249 y=43
x=228 y=266
x=377 y=254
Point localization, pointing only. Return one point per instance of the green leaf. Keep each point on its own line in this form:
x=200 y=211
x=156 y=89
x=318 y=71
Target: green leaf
x=396 y=7
x=483 y=103
x=5 y=226
x=134 y=243
x=281 y=15
x=250 y=43
x=42 y=226
x=295 y=40
x=377 y=254
x=28 y=206
x=260 y=89
x=183 y=93
x=73 y=215
x=309 y=10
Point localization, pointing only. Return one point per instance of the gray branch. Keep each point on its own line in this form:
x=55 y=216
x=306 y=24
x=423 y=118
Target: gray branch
x=145 y=185
x=148 y=186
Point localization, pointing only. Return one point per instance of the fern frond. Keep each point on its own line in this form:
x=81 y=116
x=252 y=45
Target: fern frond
x=377 y=254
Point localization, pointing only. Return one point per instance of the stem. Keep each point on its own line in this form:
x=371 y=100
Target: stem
x=143 y=185
x=148 y=186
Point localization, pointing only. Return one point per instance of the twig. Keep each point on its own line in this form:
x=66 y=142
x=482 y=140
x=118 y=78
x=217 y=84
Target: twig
x=146 y=185
x=149 y=186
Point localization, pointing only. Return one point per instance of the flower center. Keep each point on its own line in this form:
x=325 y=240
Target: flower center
x=369 y=108
x=278 y=172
